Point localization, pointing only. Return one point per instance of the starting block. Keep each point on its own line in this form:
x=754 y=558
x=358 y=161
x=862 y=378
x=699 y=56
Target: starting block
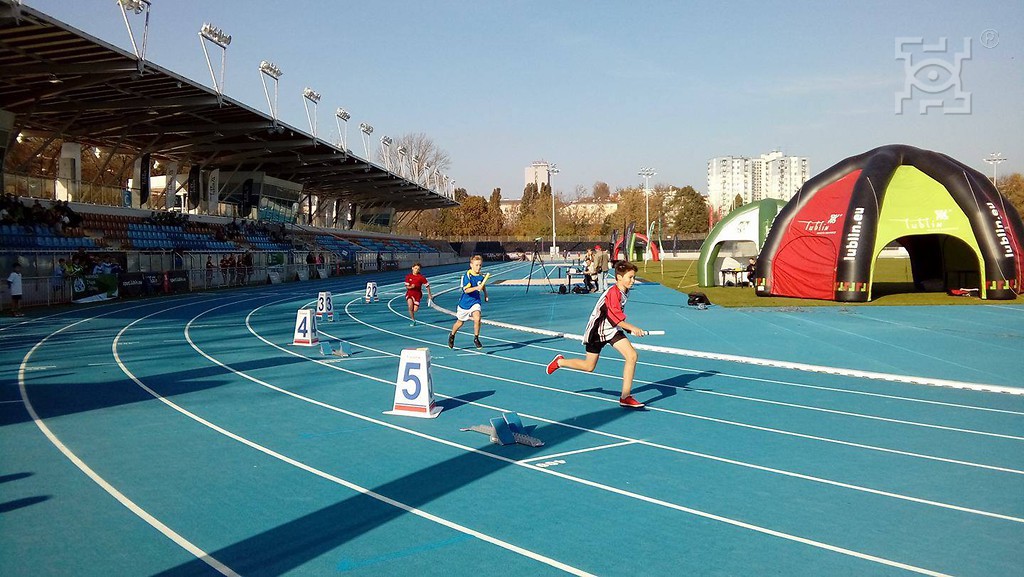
x=325 y=306
x=414 y=388
x=305 y=329
x=371 y=292
x=328 y=350
x=507 y=429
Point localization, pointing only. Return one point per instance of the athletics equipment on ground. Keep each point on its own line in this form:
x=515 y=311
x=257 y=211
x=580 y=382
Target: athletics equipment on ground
x=371 y=292
x=325 y=306
x=305 y=329
x=507 y=429
x=328 y=350
x=414 y=389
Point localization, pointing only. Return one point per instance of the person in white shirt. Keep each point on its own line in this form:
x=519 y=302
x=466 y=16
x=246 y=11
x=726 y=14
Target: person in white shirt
x=14 y=283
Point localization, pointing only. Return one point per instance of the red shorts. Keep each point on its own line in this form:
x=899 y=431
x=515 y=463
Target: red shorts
x=414 y=295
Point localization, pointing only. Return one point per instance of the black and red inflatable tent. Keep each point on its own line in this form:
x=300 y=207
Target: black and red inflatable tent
x=950 y=218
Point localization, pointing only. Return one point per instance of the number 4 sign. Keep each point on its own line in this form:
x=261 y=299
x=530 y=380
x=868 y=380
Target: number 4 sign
x=305 y=329
x=414 y=390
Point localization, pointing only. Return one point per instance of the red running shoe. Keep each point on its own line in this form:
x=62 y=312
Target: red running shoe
x=630 y=403
x=553 y=365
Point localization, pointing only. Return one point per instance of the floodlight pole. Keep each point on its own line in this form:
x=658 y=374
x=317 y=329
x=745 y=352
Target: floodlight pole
x=310 y=95
x=342 y=115
x=138 y=7
x=218 y=37
x=994 y=159
x=269 y=69
x=367 y=130
x=552 y=169
x=385 y=151
x=647 y=173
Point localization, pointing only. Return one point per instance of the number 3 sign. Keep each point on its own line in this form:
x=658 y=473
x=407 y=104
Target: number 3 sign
x=414 y=389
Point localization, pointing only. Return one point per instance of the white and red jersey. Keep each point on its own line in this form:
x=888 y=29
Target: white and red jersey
x=607 y=314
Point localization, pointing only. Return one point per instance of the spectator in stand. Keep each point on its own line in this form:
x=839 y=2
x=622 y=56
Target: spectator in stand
x=231 y=270
x=380 y=261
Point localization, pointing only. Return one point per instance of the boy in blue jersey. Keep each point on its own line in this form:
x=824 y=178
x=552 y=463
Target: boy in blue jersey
x=469 y=304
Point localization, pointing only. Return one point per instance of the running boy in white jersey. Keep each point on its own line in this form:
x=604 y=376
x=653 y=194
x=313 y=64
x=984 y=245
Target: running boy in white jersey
x=606 y=326
x=469 y=303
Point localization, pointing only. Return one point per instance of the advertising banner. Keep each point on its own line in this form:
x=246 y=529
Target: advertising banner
x=92 y=288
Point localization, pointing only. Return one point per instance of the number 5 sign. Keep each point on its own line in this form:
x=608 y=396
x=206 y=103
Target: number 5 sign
x=414 y=390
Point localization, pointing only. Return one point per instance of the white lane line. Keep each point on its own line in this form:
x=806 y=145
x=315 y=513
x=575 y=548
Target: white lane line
x=744 y=397
x=638 y=441
x=284 y=458
x=96 y=478
x=840 y=371
x=548 y=471
x=577 y=452
x=684 y=414
x=694 y=453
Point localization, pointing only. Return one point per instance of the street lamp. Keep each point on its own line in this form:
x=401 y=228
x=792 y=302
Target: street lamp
x=647 y=172
x=994 y=159
x=552 y=169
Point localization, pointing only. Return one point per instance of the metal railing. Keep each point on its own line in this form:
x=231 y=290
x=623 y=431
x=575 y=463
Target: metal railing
x=40 y=287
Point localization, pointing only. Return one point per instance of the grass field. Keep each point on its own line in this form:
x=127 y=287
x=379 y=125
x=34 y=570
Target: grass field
x=892 y=286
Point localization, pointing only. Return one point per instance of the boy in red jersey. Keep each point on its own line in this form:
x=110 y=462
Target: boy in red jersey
x=606 y=326
x=414 y=284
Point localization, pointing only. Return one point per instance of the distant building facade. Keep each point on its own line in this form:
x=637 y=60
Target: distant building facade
x=538 y=173
x=771 y=175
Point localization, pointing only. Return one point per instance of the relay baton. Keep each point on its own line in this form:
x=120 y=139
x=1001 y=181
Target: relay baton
x=653 y=333
x=486 y=276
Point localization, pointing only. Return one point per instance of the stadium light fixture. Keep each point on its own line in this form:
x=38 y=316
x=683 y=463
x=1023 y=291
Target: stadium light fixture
x=647 y=172
x=994 y=159
x=211 y=33
x=367 y=130
x=136 y=7
x=552 y=169
x=310 y=96
x=385 y=151
x=342 y=115
x=270 y=70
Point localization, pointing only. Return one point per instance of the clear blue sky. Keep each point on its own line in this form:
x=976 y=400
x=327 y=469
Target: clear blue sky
x=603 y=88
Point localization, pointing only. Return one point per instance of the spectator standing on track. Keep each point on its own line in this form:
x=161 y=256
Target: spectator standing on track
x=414 y=283
x=469 y=304
x=601 y=269
x=14 y=283
x=751 y=266
x=607 y=326
x=209 y=271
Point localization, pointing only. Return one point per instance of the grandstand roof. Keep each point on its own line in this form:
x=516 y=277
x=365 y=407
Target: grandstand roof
x=62 y=83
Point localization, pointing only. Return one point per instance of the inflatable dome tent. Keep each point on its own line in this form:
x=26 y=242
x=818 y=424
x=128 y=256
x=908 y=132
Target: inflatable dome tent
x=745 y=229
x=958 y=230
